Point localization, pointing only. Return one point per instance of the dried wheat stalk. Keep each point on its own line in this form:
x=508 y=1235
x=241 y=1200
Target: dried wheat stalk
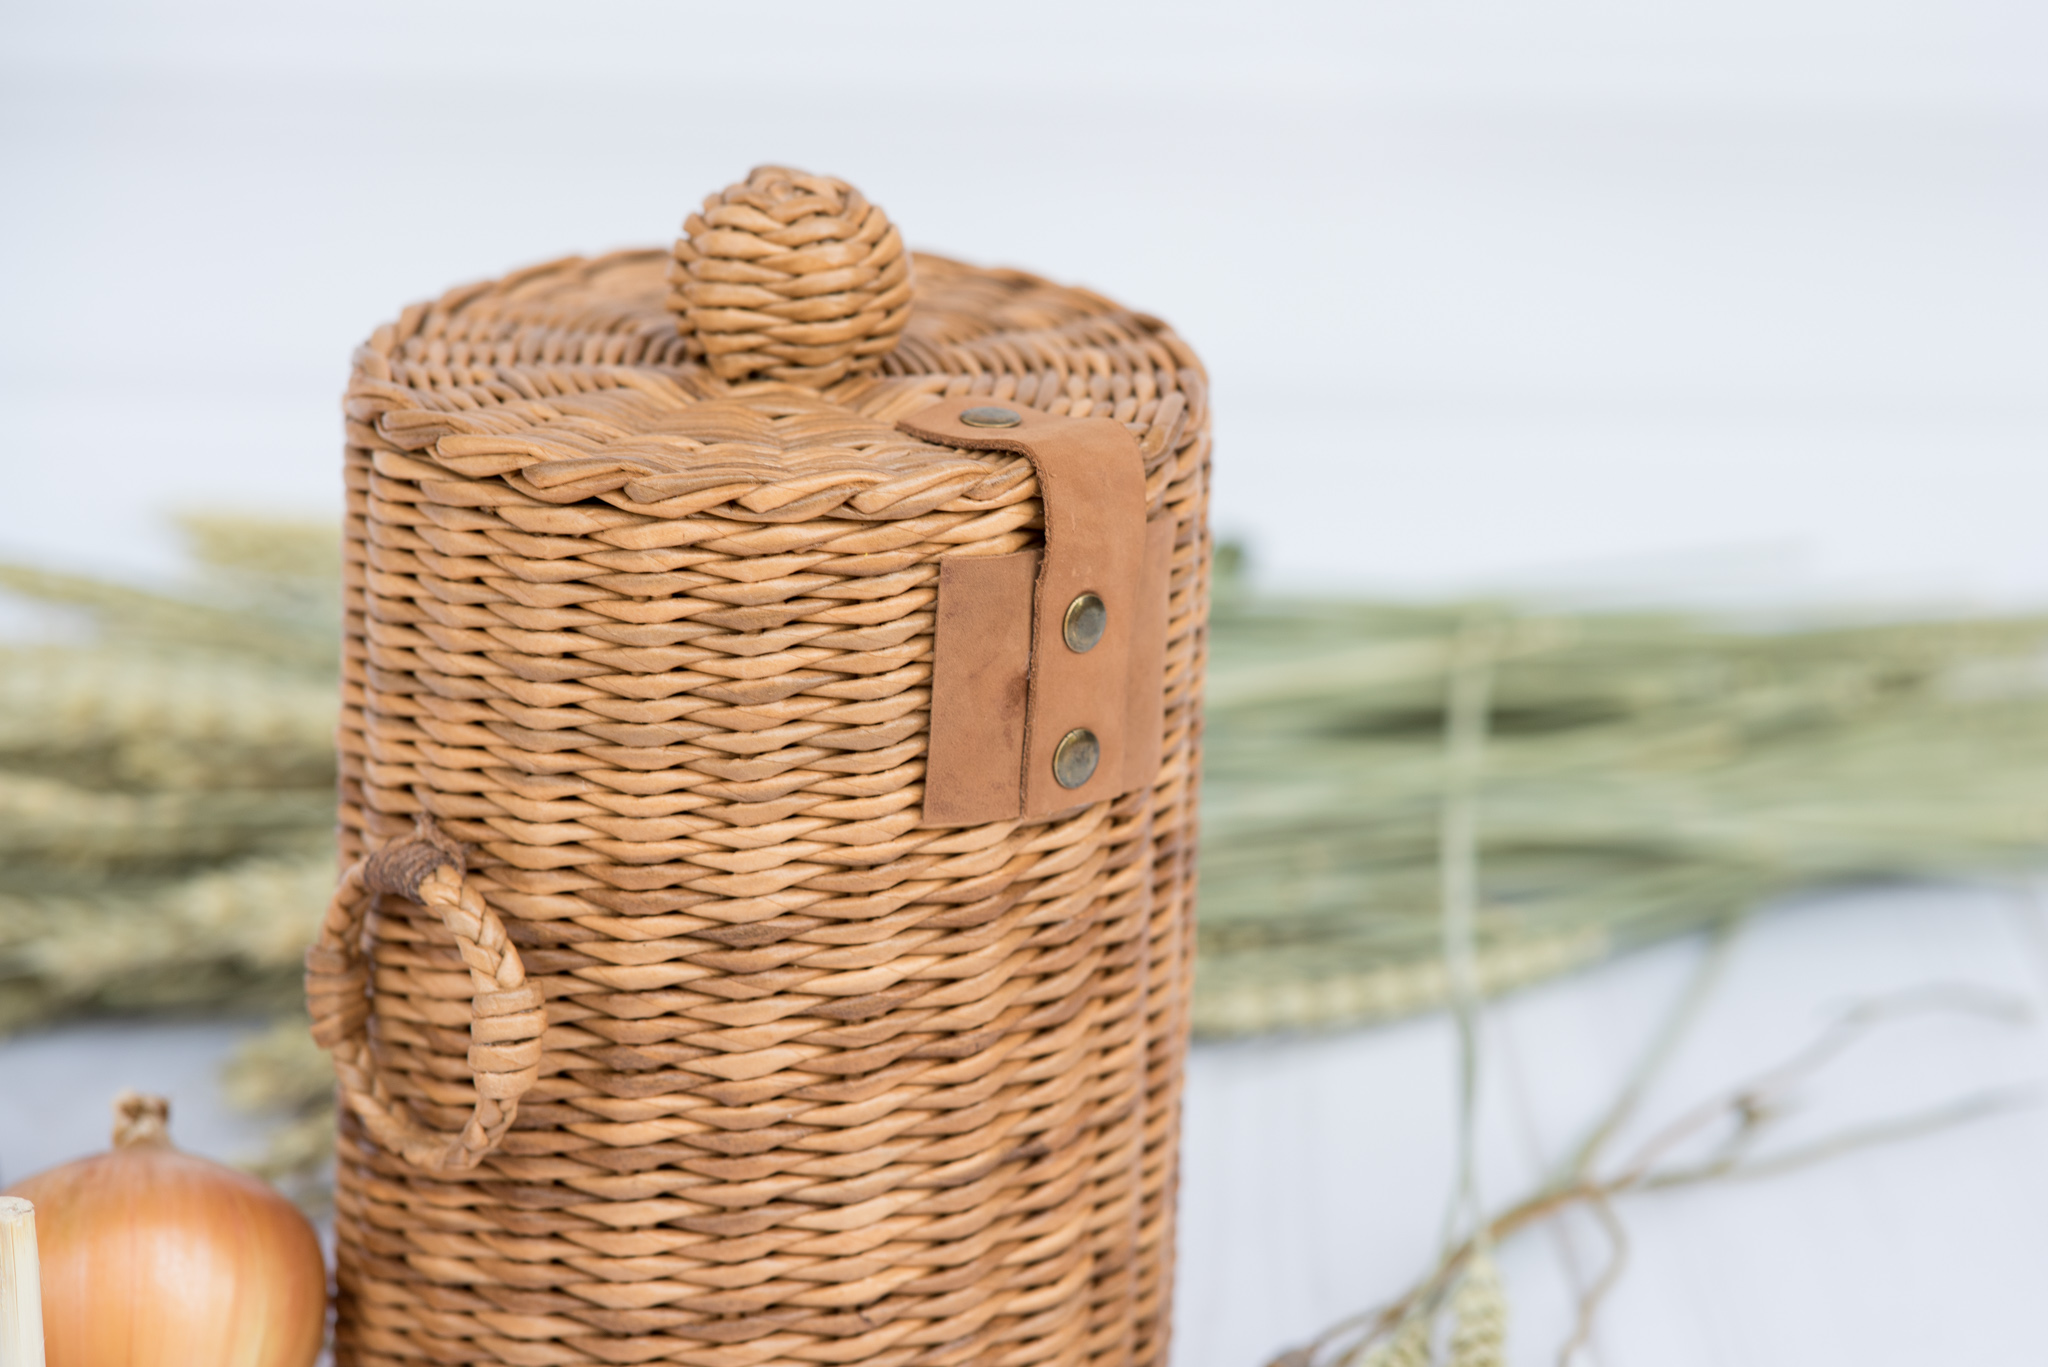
x=166 y=786
x=1403 y=1331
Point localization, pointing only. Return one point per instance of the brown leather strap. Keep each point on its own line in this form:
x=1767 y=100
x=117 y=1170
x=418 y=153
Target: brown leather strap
x=1006 y=687
x=981 y=671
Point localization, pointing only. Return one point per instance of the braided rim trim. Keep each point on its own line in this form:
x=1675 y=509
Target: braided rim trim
x=507 y=1015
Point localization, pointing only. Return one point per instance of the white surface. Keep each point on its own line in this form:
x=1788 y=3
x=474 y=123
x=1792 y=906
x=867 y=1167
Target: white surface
x=57 y=1090
x=1317 y=1168
x=1485 y=287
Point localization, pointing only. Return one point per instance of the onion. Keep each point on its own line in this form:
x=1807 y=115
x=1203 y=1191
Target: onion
x=156 y=1258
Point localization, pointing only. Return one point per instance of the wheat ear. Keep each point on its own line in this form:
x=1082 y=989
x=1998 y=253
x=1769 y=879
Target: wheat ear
x=1407 y=1346
x=1479 y=1314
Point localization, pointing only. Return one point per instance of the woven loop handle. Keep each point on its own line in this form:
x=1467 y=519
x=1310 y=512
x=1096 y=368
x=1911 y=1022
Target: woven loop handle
x=506 y=1014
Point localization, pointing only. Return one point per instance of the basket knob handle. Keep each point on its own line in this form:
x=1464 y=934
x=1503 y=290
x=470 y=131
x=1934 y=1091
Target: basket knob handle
x=507 y=1016
x=792 y=277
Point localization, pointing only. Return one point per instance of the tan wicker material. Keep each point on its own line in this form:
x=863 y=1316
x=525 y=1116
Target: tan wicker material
x=506 y=1015
x=791 y=277
x=817 y=1084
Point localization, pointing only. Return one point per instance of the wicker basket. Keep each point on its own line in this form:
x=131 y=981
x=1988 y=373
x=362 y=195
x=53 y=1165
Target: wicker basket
x=751 y=953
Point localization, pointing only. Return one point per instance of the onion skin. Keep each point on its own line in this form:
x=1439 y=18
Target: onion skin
x=156 y=1258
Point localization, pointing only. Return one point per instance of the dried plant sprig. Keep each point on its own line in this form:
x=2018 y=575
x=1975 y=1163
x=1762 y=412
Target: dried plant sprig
x=1407 y=1346
x=258 y=625
x=1748 y=1108
x=274 y=550
x=1591 y=1298
x=167 y=785
x=1466 y=1269
x=1664 y=1041
x=1736 y=1114
x=1465 y=726
x=1647 y=774
x=1479 y=1312
x=226 y=937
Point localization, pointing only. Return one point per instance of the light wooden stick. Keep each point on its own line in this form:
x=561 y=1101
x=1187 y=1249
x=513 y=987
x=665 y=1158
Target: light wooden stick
x=21 y=1286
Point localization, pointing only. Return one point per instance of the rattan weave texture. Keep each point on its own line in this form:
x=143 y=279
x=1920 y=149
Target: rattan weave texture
x=817 y=1085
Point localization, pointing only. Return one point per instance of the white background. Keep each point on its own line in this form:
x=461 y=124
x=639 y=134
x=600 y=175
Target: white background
x=1489 y=288
x=1537 y=293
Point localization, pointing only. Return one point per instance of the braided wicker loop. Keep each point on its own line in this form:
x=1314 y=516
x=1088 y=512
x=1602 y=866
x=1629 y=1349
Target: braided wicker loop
x=793 y=277
x=506 y=1013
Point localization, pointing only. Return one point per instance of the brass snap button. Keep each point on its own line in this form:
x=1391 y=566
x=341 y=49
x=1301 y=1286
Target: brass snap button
x=1073 y=763
x=991 y=416
x=1087 y=618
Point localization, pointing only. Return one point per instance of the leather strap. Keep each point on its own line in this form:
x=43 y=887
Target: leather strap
x=1006 y=687
x=981 y=670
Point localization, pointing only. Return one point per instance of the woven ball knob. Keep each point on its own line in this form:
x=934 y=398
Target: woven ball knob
x=788 y=276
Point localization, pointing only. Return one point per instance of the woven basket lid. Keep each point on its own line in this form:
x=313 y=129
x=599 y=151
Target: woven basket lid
x=756 y=372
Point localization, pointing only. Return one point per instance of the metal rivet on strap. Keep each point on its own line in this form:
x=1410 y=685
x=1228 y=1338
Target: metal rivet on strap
x=1073 y=763
x=1087 y=619
x=991 y=416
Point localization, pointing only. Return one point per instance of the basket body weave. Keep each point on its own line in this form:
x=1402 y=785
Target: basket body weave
x=818 y=1084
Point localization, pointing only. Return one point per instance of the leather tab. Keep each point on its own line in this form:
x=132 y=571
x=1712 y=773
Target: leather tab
x=1092 y=484
x=980 y=677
